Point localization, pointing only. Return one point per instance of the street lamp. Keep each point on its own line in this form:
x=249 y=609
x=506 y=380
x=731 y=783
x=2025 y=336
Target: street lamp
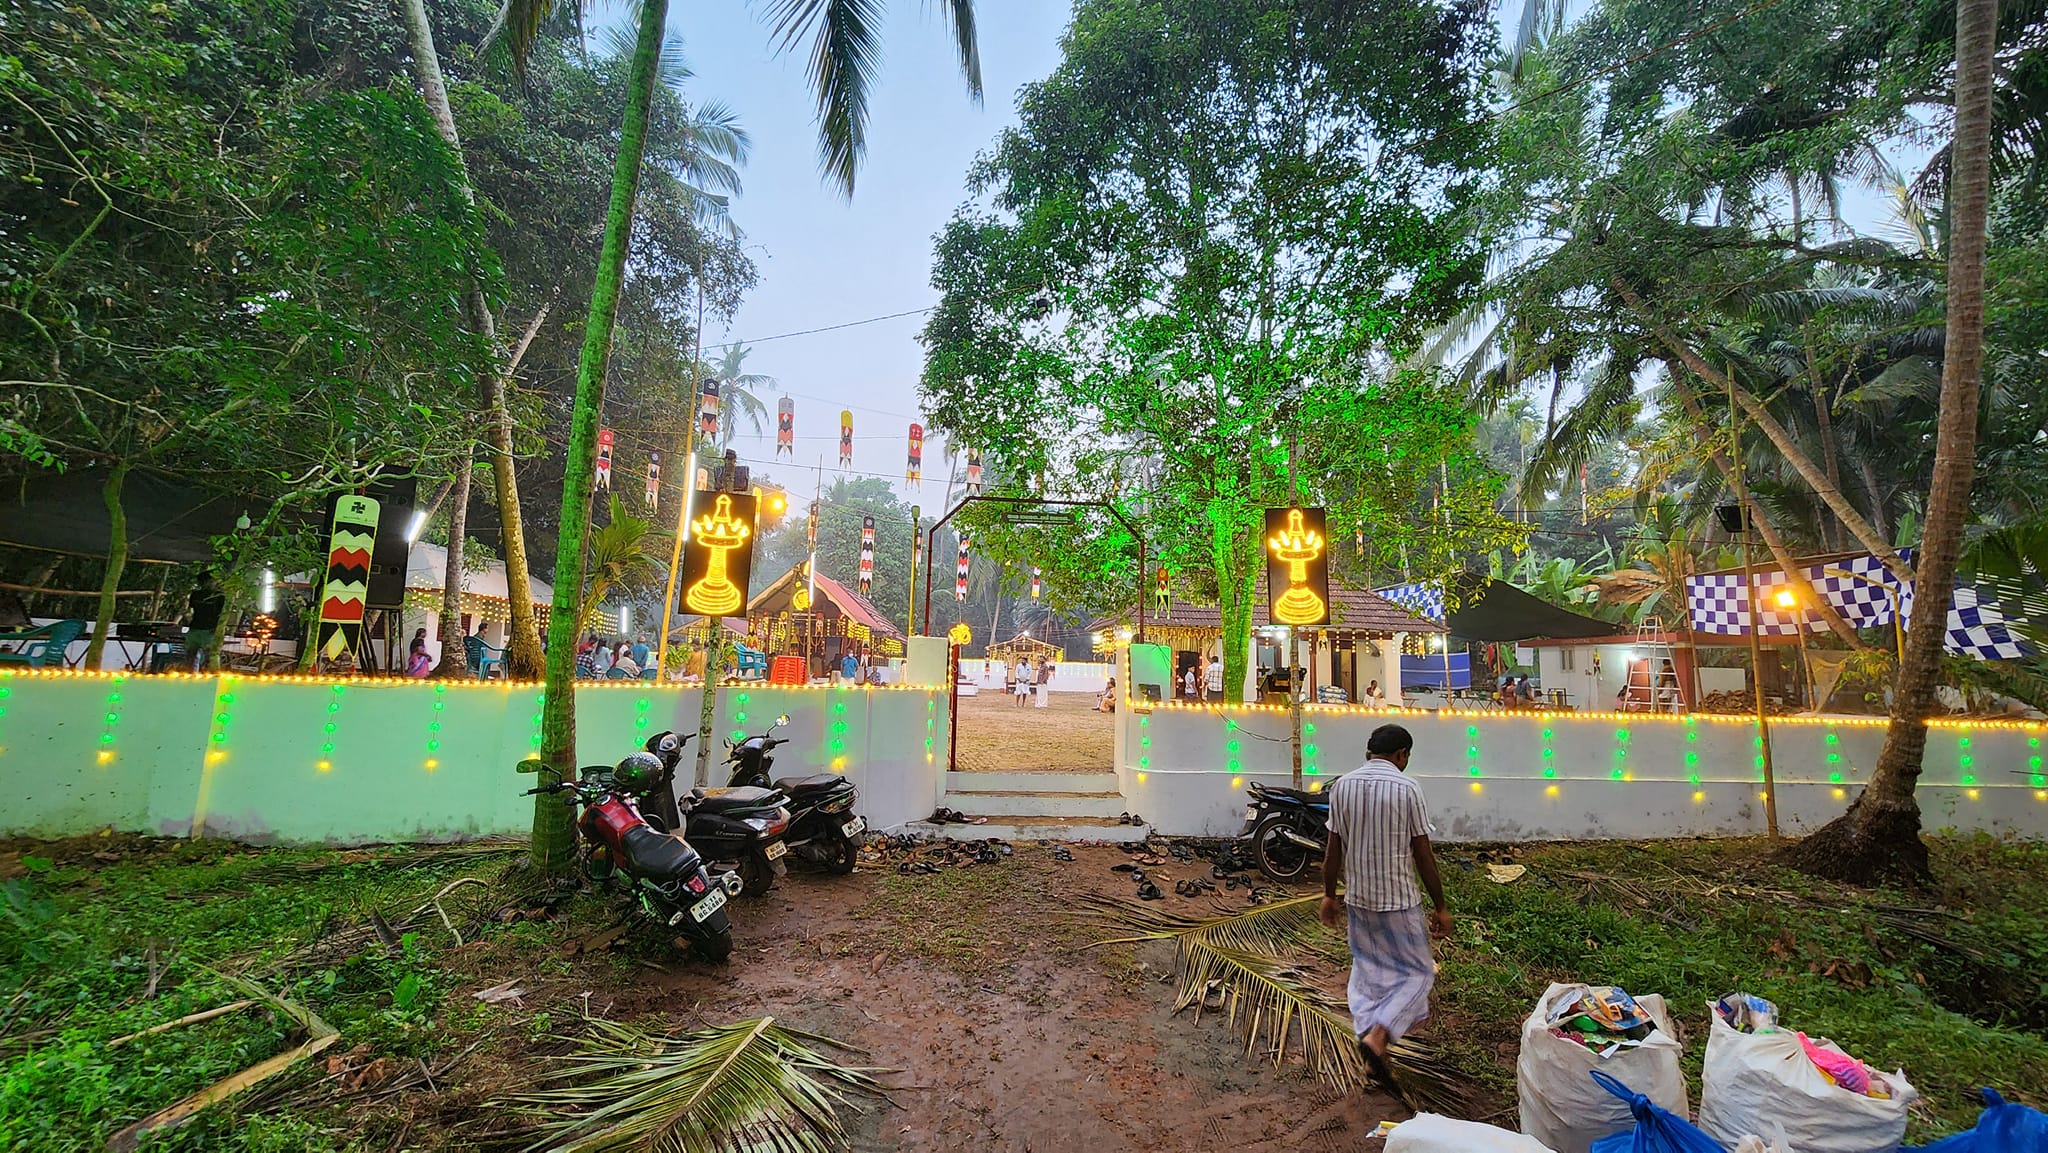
x=1787 y=602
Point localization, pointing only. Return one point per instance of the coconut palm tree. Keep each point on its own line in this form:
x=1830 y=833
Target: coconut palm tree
x=1879 y=837
x=845 y=43
x=736 y=393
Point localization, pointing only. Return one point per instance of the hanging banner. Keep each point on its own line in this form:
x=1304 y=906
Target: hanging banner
x=960 y=583
x=345 y=587
x=811 y=527
x=1297 y=569
x=973 y=471
x=867 y=553
x=718 y=558
x=604 y=459
x=1162 y=595
x=785 y=427
x=845 y=438
x=653 y=482
x=703 y=479
x=707 y=411
x=1037 y=584
x=915 y=471
x=916 y=541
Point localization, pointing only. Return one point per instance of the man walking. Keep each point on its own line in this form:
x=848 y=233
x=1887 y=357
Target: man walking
x=1379 y=843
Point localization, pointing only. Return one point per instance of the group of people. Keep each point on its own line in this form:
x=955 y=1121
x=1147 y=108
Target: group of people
x=1199 y=683
x=418 y=663
x=1517 y=692
x=597 y=656
x=1028 y=678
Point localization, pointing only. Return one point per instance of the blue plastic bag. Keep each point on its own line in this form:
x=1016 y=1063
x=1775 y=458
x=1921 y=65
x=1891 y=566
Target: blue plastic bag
x=1657 y=1130
x=2001 y=1128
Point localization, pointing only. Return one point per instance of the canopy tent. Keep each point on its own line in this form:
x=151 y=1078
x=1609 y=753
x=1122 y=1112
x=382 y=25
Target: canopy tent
x=1496 y=611
x=1026 y=646
x=170 y=521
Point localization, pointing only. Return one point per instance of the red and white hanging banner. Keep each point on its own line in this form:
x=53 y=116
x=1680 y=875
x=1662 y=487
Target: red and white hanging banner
x=960 y=584
x=707 y=411
x=653 y=482
x=915 y=471
x=845 y=438
x=867 y=553
x=785 y=427
x=604 y=459
x=973 y=471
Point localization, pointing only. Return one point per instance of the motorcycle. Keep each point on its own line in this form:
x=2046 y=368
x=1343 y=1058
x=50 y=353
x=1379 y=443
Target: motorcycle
x=661 y=870
x=823 y=829
x=739 y=831
x=1287 y=829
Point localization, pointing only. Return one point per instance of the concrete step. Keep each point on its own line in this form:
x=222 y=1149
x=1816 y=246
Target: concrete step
x=1034 y=828
x=989 y=803
x=1011 y=782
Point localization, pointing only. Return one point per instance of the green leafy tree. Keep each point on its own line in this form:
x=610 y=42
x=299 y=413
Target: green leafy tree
x=1214 y=227
x=625 y=559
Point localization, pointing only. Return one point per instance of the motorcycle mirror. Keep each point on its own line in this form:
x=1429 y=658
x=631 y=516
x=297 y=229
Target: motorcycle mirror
x=782 y=720
x=531 y=765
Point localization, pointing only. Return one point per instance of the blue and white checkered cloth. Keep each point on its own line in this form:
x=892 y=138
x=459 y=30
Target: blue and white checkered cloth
x=1718 y=605
x=1423 y=598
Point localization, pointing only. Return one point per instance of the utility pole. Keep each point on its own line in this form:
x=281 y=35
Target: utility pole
x=1756 y=659
x=675 y=556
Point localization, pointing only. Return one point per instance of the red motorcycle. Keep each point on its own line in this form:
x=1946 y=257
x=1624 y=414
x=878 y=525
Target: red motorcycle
x=664 y=875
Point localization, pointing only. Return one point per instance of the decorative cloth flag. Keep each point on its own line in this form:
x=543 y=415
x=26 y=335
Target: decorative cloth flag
x=960 y=583
x=1037 y=583
x=867 y=553
x=1863 y=592
x=785 y=427
x=604 y=459
x=845 y=438
x=653 y=482
x=811 y=526
x=1162 y=594
x=1423 y=598
x=346 y=585
x=915 y=471
x=1361 y=540
x=707 y=411
x=973 y=471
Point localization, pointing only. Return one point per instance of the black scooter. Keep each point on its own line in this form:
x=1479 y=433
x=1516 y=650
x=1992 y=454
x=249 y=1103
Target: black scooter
x=1288 y=829
x=621 y=850
x=823 y=829
x=738 y=830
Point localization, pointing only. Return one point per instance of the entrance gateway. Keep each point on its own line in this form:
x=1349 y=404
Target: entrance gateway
x=1036 y=766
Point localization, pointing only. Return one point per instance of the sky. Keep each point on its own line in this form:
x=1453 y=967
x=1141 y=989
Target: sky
x=824 y=260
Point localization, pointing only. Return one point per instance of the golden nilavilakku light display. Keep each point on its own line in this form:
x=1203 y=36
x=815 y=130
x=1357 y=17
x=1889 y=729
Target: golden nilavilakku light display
x=719 y=532
x=1298 y=544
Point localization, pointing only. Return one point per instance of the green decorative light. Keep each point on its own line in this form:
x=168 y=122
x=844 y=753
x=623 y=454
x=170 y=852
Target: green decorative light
x=1474 y=770
x=1549 y=753
x=1833 y=739
x=1230 y=724
x=1835 y=778
x=328 y=727
x=1471 y=730
x=1310 y=729
x=1621 y=734
x=1144 y=722
x=1692 y=758
x=1617 y=774
x=1233 y=764
x=1966 y=760
x=1692 y=736
x=1968 y=779
x=1550 y=771
x=1308 y=750
x=1231 y=746
x=1834 y=758
x=738 y=733
x=1144 y=762
x=1759 y=762
x=1962 y=742
x=1311 y=770
x=1547 y=734
x=328 y=747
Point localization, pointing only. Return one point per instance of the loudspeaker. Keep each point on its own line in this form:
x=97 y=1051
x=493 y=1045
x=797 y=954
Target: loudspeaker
x=389 y=557
x=1734 y=518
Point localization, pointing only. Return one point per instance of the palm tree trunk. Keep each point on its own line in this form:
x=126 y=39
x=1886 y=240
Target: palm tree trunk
x=522 y=645
x=117 y=560
x=1824 y=417
x=1782 y=440
x=454 y=651
x=1879 y=837
x=554 y=830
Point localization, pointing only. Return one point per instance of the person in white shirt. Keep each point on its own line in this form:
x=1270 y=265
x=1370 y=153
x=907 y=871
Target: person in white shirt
x=1188 y=685
x=601 y=659
x=1379 y=845
x=1213 y=679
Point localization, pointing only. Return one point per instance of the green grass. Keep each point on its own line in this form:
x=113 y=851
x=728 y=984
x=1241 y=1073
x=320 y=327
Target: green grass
x=77 y=937
x=1693 y=920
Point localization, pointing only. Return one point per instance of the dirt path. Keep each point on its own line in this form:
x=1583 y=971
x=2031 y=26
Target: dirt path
x=1007 y=1032
x=1068 y=735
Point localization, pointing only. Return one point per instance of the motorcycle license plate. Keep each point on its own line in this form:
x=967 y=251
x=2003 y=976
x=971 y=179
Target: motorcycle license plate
x=775 y=850
x=712 y=902
x=854 y=828
x=1251 y=812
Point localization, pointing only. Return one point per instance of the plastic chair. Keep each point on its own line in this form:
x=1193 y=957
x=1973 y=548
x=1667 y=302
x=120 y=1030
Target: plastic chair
x=483 y=658
x=38 y=646
x=615 y=673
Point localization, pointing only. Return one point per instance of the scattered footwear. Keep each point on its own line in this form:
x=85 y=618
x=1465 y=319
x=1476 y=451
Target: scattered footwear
x=1149 y=892
x=1062 y=853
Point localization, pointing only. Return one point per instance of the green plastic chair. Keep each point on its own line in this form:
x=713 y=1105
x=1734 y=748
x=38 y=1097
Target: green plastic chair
x=41 y=647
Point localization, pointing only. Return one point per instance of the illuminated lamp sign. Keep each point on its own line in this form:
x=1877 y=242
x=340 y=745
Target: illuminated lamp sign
x=1297 y=571
x=718 y=558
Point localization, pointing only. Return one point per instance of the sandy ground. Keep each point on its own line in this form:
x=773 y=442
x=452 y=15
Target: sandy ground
x=1068 y=735
x=976 y=985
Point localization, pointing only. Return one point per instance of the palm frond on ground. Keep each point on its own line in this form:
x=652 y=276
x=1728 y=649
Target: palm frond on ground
x=750 y=1085
x=1234 y=963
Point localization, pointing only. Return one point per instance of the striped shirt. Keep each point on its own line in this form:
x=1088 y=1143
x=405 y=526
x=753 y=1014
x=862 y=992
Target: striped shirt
x=1378 y=812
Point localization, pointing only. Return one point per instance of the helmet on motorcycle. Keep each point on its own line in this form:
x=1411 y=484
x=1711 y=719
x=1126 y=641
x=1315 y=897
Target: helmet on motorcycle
x=638 y=774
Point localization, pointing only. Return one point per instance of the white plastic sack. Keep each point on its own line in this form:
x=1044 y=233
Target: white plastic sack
x=1431 y=1133
x=1764 y=1082
x=1561 y=1105
x=1755 y=1144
